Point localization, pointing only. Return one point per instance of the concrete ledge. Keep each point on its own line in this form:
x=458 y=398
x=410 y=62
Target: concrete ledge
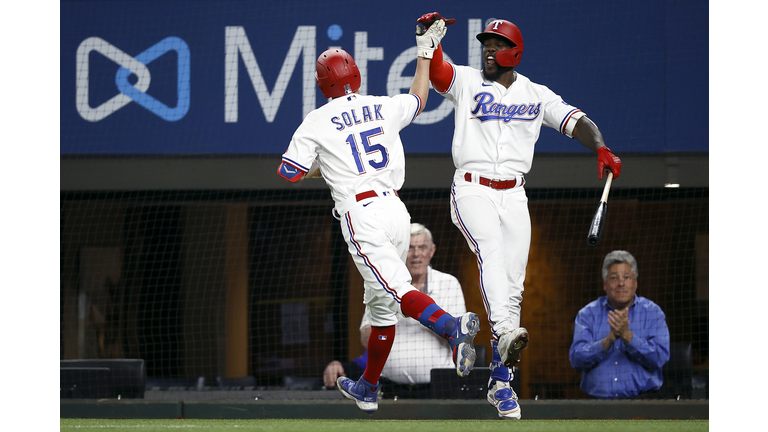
x=120 y=409
x=403 y=409
x=111 y=173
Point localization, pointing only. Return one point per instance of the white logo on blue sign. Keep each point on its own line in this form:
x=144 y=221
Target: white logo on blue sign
x=133 y=92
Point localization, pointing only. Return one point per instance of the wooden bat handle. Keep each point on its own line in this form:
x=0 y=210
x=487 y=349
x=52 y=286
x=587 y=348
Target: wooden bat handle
x=607 y=187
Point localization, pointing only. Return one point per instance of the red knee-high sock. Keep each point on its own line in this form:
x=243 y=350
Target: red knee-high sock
x=379 y=345
x=421 y=307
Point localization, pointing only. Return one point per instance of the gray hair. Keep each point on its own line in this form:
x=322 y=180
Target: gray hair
x=417 y=228
x=617 y=257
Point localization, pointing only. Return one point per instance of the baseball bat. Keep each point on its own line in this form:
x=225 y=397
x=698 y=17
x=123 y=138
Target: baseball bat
x=598 y=220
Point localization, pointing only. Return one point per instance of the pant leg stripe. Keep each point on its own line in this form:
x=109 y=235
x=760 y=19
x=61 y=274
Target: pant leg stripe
x=464 y=229
x=367 y=261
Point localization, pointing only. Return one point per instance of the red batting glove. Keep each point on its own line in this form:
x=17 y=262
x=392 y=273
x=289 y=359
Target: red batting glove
x=427 y=19
x=607 y=160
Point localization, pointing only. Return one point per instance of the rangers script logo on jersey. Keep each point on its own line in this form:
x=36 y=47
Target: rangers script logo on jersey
x=499 y=111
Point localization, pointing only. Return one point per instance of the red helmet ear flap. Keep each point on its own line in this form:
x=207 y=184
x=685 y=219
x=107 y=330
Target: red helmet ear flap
x=509 y=57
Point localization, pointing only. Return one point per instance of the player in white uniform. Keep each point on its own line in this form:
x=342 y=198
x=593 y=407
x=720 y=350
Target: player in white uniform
x=412 y=337
x=354 y=143
x=416 y=350
x=498 y=117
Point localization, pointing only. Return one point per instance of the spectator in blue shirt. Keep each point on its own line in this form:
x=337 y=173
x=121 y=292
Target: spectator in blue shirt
x=620 y=340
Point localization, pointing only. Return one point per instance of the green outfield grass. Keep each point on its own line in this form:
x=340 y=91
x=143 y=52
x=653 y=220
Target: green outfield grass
x=70 y=425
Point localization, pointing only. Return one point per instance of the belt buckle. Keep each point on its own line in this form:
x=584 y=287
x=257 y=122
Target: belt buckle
x=495 y=184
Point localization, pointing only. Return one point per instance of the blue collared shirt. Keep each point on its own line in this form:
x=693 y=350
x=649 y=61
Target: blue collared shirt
x=625 y=370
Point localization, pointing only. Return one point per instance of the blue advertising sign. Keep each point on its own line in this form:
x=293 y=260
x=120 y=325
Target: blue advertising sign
x=237 y=77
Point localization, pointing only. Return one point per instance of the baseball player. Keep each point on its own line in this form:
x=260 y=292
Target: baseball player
x=416 y=350
x=498 y=117
x=353 y=142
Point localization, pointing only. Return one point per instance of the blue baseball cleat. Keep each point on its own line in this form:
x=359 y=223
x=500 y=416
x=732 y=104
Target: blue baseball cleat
x=464 y=354
x=362 y=392
x=501 y=395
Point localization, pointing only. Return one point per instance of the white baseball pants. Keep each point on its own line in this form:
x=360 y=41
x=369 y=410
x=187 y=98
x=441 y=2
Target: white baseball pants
x=378 y=234
x=497 y=227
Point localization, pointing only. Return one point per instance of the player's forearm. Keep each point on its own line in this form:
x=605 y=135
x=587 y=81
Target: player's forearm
x=588 y=134
x=440 y=72
x=290 y=172
x=420 y=84
x=314 y=171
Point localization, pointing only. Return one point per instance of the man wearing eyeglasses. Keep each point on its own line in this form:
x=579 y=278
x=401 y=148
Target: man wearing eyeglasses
x=620 y=340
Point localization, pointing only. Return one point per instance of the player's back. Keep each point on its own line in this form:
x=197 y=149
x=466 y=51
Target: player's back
x=357 y=141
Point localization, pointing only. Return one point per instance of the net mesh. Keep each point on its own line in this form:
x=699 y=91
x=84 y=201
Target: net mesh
x=221 y=277
x=259 y=284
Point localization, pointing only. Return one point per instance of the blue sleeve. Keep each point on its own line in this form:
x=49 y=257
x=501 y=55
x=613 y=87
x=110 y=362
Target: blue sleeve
x=650 y=342
x=587 y=348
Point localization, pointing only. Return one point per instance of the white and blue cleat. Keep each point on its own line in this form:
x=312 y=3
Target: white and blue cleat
x=362 y=392
x=510 y=345
x=461 y=342
x=501 y=395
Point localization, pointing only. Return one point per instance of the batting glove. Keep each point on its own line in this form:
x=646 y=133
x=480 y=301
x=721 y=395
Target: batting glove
x=428 y=41
x=607 y=160
x=427 y=19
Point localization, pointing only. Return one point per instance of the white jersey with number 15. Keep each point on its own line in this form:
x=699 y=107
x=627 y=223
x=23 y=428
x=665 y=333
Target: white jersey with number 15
x=357 y=140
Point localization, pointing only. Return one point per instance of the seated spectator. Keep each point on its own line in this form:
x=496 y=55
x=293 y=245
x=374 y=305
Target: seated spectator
x=416 y=349
x=621 y=340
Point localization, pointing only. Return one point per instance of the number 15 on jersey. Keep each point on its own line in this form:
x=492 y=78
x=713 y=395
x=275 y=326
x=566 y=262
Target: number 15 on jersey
x=372 y=151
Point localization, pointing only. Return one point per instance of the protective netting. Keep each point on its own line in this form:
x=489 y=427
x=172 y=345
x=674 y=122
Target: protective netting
x=260 y=283
x=179 y=249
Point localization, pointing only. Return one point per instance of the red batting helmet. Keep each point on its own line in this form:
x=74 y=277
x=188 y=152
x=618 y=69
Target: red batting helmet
x=511 y=33
x=337 y=73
